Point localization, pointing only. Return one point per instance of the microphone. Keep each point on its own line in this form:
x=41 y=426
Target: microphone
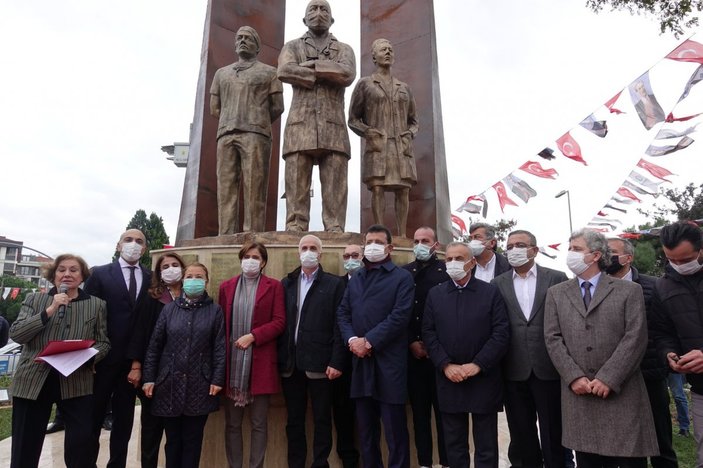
x=63 y=289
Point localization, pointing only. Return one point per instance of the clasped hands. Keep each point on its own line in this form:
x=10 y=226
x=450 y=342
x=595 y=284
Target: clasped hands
x=584 y=386
x=460 y=372
x=360 y=347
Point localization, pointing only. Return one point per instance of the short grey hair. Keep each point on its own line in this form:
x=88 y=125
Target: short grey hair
x=627 y=246
x=460 y=244
x=316 y=239
x=596 y=242
x=490 y=230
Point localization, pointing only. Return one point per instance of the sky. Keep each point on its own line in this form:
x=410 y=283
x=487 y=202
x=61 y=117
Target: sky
x=89 y=94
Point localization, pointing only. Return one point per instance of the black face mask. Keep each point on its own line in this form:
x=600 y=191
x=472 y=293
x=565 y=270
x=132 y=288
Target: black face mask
x=614 y=266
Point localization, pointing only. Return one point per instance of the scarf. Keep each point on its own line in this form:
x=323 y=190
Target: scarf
x=240 y=359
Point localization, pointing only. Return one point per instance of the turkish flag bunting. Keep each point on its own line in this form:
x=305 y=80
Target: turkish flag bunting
x=536 y=169
x=15 y=292
x=624 y=192
x=611 y=102
x=657 y=171
x=688 y=51
x=459 y=222
x=503 y=197
x=671 y=118
x=570 y=148
x=630 y=235
x=554 y=246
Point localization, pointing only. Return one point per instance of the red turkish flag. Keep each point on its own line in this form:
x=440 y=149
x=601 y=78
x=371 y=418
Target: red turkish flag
x=600 y=213
x=670 y=118
x=570 y=148
x=611 y=102
x=554 y=246
x=688 y=51
x=624 y=192
x=630 y=235
x=536 y=169
x=503 y=197
x=15 y=292
x=657 y=171
x=459 y=222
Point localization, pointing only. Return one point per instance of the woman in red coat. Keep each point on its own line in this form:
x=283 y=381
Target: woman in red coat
x=254 y=317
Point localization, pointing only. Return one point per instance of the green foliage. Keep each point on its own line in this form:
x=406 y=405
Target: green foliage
x=9 y=308
x=154 y=231
x=646 y=259
x=673 y=16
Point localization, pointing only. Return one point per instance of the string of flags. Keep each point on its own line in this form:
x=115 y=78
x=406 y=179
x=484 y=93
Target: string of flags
x=12 y=293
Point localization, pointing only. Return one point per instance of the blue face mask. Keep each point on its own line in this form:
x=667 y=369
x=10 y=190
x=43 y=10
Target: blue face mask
x=422 y=252
x=194 y=287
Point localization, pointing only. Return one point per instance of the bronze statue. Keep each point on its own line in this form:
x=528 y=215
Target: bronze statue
x=382 y=112
x=319 y=68
x=247 y=97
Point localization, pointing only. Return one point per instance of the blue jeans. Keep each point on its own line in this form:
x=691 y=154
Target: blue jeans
x=676 y=382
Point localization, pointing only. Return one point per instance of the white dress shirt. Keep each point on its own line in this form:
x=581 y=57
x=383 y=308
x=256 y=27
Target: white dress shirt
x=525 y=290
x=126 y=273
x=488 y=272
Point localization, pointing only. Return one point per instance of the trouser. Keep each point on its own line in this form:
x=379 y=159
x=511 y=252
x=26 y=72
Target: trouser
x=592 y=460
x=676 y=382
x=295 y=392
x=697 y=407
x=369 y=414
x=659 y=401
x=242 y=162
x=258 y=414
x=423 y=398
x=485 y=435
x=344 y=420
x=152 y=431
x=333 y=182
x=29 y=420
x=184 y=440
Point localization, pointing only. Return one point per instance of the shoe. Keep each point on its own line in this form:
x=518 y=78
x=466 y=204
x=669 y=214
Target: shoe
x=684 y=433
x=55 y=426
x=107 y=422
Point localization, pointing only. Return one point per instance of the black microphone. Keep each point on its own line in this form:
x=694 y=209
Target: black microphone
x=63 y=289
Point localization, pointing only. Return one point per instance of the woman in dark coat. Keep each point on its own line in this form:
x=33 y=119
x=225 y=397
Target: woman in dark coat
x=184 y=369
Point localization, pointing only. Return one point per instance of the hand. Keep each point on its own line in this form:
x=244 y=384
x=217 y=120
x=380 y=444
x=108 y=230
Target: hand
x=418 y=350
x=600 y=389
x=308 y=63
x=691 y=362
x=581 y=386
x=134 y=377
x=673 y=360
x=214 y=390
x=148 y=389
x=470 y=369
x=373 y=133
x=358 y=347
x=59 y=300
x=455 y=373
x=333 y=373
x=244 y=341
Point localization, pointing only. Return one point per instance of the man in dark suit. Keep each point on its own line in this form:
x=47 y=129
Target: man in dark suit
x=373 y=319
x=466 y=332
x=123 y=284
x=428 y=271
x=483 y=247
x=310 y=352
x=532 y=388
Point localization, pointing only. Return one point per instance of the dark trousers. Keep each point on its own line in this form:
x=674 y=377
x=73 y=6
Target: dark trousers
x=485 y=435
x=29 y=420
x=591 y=460
x=658 y=393
x=526 y=402
x=295 y=392
x=111 y=386
x=423 y=398
x=344 y=420
x=369 y=414
x=152 y=431
x=184 y=440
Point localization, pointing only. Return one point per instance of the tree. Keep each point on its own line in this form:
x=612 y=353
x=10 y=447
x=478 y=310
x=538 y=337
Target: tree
x=9 y=308
x=154 y=231
x=673 y=16
x=685 y=205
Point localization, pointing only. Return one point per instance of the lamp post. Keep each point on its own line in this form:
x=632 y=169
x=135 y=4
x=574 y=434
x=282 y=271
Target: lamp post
x=568 y=201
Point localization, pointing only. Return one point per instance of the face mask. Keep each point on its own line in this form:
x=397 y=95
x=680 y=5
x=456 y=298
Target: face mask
x=194 y=287
x=614 y=266
x=309 y=259
x=171 y=275
x=131 y=252
x=422 y=252
x=575 y=262
x=374 y=252
x=455 y=270
x=517 y=256
x=689 y=268
x=351 y=265
x=250 y=267
x=477 y=247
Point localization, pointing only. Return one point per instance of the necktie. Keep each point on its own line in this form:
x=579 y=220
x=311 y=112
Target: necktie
x=586 y=293
x=132 y=285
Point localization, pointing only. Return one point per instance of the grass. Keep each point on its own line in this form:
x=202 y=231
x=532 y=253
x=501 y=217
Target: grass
x=685 y=448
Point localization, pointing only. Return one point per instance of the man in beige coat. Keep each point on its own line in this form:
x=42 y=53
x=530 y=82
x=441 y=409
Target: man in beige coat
x=595 y=330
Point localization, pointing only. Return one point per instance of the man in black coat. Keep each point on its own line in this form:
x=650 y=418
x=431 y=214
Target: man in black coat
x=428 y=271
x=467 y=332
x=310 y=352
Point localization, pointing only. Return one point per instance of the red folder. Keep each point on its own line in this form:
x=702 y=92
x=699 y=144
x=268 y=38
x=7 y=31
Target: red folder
x=64 y=346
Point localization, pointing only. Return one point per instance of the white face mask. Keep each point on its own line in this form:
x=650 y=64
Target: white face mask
x=171 y=275
x=251 y=267
x=477 y=247
x=131 y=252
x=455 y=270
x=309 y=259
x=575 y=262
x=688 y=268
x=517 y=256
x=374 y=252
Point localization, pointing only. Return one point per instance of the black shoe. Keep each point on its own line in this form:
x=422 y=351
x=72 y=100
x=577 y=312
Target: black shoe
x=55 y=426
x=107 y=422
x=684 y=432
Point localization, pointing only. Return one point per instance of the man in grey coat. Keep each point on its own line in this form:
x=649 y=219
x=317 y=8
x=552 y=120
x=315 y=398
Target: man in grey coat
x=595 y=329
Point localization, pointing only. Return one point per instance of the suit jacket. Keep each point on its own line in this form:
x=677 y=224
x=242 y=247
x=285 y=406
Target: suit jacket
x=107 y=282
x=467 y=325
x=377 y=306
x=319 y=344
x=267 y=322
x=426 y=275
x=502 y=266
x=527 y=352
x=84 y=320
x=605 y=342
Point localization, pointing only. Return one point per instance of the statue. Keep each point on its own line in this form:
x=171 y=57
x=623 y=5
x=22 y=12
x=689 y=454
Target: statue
x=246 y=97
x=319 y=68
x=382 y=111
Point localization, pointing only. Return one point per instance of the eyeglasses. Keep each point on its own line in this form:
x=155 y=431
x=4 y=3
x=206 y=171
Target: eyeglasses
x=355 y=256
x=519 y=245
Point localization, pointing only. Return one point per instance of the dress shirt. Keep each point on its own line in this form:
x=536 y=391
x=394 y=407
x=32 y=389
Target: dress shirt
x=488 y=272
x=594 y=283
x=304 y=285
x=525 y=290
x=137 y=274
x=628 y=275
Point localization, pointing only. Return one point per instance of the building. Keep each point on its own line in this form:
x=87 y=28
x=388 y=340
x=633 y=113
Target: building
x=10 y=255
